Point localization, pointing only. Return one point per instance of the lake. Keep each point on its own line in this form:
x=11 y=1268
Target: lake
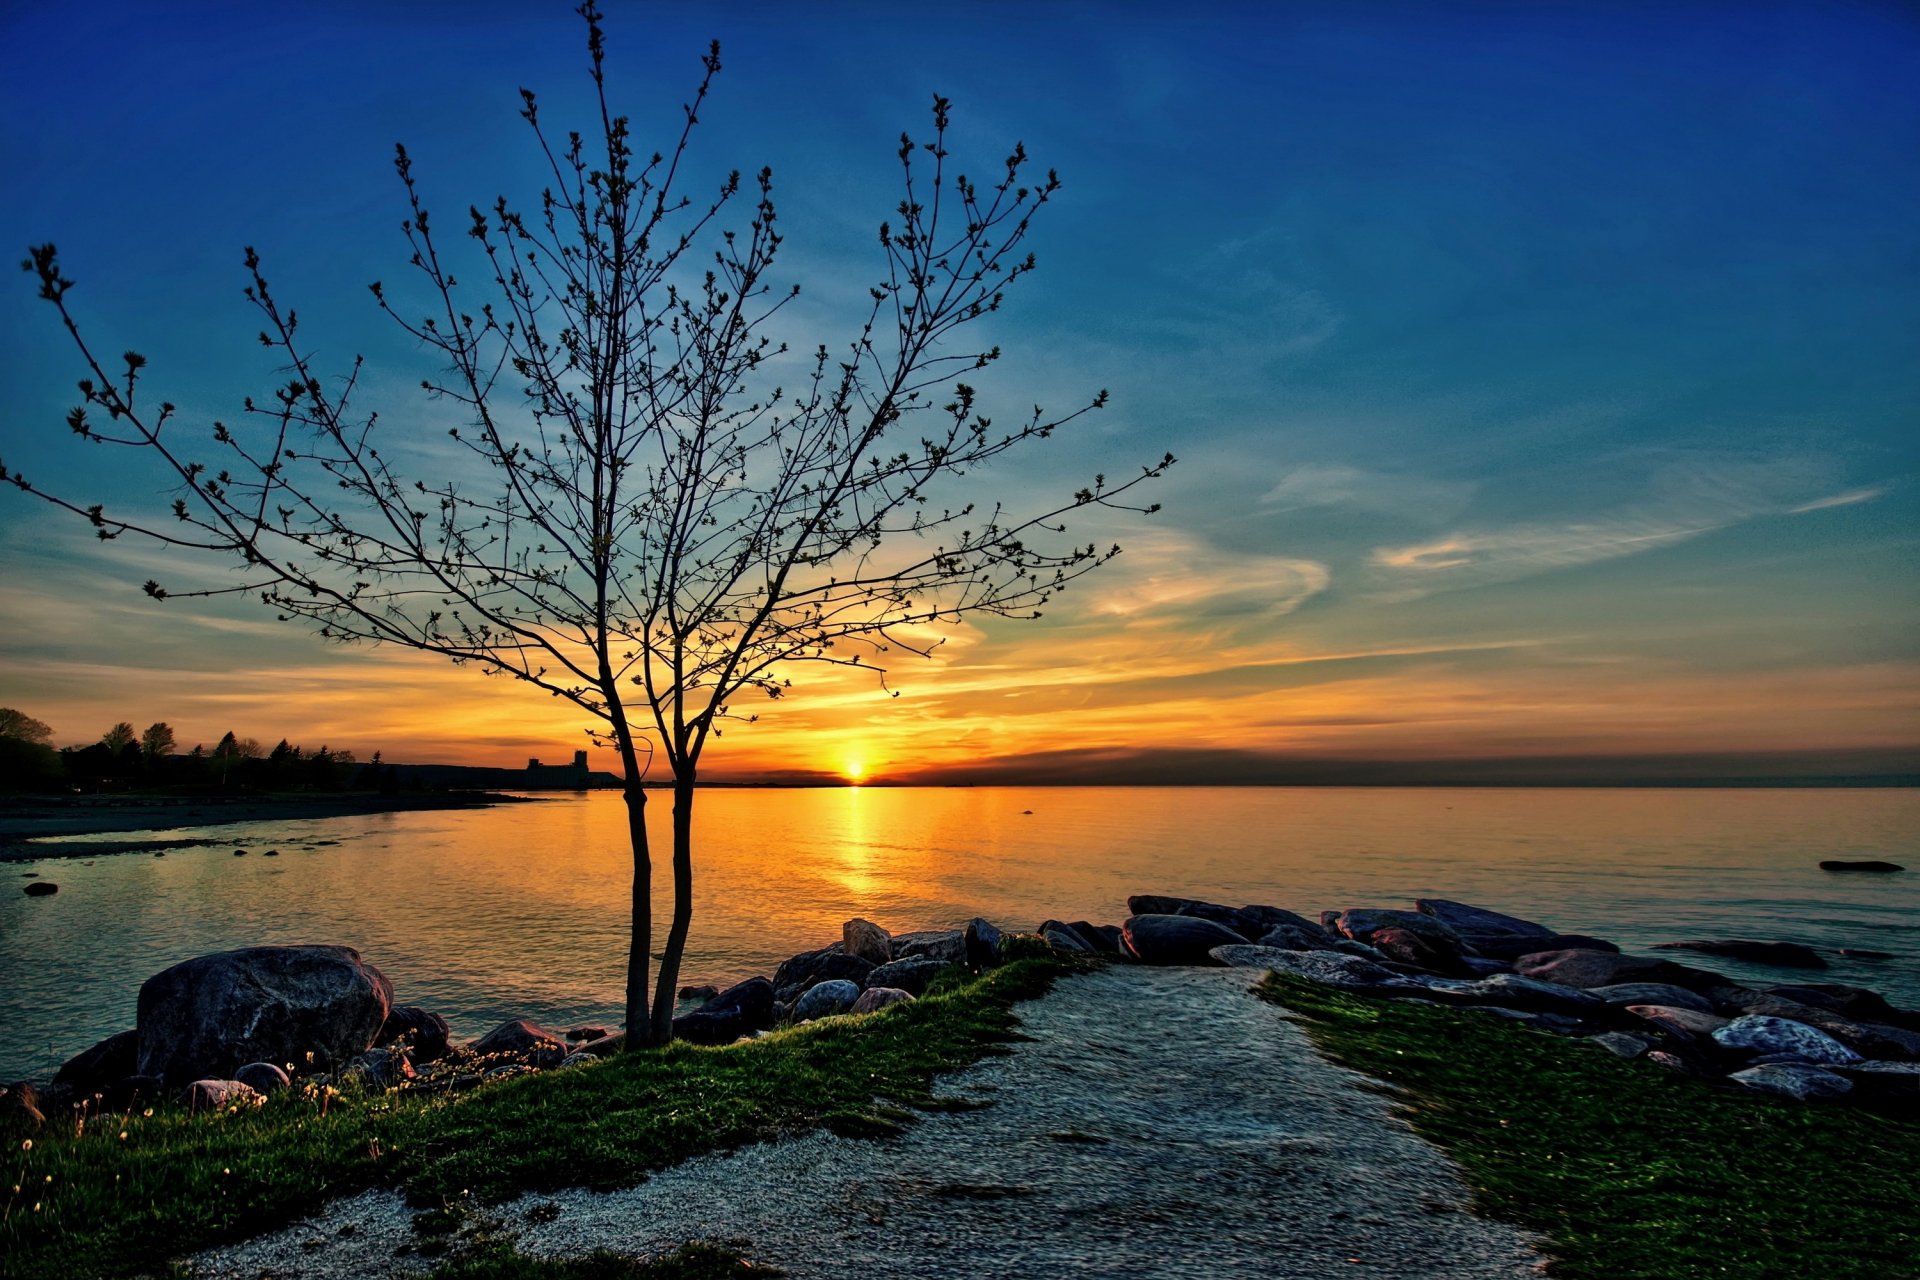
x=521 y=910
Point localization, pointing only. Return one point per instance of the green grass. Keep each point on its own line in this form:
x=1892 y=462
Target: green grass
x=1631 y=1170
x=99 y=1203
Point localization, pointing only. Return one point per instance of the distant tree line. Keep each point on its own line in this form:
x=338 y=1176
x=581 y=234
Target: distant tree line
x=124 y=759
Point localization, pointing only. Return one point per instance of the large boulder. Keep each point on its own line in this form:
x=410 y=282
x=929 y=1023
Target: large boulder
x=1511 y=991
x=1158 y=939
x=1788 y=954
x=1687 y=1023
x=912 y=976
x=1606 y=968
x=1474 y=923
x=742 y=1009
x=262 y=1077
x=1104 y=938
x=1064 y=937
x=1761 y=1034
x=1848 y=1002
x=1249 y=922
x=1361 y=923
x=1349 y=973
x=426 y=1033
x=825 y=999
x=100 y=1068
x=1260 y=920
x=1422 y=951
x=867 y=940
x=1295 y=937
x=1868 y=1039
x=949 y=945
x=797 y=973
x=213 y=1095
x=205 y=1016
x=983 y=943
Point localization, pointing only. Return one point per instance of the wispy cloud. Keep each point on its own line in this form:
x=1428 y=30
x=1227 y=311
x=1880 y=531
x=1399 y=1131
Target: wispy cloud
x=1852 y=497
x=1376 y=492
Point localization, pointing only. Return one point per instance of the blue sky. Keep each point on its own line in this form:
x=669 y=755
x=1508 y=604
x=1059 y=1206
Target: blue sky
x=1542 y=375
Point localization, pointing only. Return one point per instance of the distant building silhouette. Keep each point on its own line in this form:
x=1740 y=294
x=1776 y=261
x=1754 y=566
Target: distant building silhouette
x=570 y=777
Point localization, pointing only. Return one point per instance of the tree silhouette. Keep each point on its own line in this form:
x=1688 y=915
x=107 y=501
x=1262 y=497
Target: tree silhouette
x=157 y=742
x=663 y=509
x=24 y=728
x=120 y=737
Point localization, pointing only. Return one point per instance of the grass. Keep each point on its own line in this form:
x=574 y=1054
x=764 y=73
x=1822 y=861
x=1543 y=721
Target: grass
x=1628 y=1169
x=696 y=1261
x=123 y=1193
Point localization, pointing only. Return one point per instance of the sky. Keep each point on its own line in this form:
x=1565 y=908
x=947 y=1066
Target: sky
x=1542 y=376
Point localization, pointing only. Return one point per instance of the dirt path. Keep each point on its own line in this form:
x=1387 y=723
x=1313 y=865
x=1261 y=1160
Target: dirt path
x=1161 y=1123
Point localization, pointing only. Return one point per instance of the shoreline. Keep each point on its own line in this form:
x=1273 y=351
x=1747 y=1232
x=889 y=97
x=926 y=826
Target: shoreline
x=28 y=823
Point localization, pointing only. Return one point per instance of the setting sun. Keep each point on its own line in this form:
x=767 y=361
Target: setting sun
x=855 y=771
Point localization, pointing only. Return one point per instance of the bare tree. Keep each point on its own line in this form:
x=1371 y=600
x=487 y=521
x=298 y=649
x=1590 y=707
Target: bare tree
x=665 y=509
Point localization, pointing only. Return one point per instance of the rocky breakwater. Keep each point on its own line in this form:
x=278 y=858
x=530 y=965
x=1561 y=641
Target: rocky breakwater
x=1802 y=1040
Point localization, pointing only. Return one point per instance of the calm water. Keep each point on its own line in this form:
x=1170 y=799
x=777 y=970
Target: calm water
x=515 y=911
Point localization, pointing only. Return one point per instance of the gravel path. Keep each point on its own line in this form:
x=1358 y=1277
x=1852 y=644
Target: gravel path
x=1161 y=1123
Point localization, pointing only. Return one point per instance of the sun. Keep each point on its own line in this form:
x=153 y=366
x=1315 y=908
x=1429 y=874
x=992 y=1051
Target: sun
x=855 y=771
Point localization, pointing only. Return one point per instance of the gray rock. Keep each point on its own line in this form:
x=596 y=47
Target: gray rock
x=877 y=998
x=1537 y=997
x=1688 y=1023
x=742 y=1009
x=867 y=940
x=577 y=1034
x=1621 y=1044
x=520 y=1038
x=387 y=1068
x=824 y=999
x=1662 y=993
x=1587 y=969
x=1868 y=1039
x=578 y=1059
x=265 y=1078
x=1484 y=966
x=1291 y=937
x=1361 y=923
x=213 y=1095
x=1513 y=946
x=41 y=889
x=1160 y=939
x=1471 y=922
x=1764 y=1034
x=1104 y=938
x=797 y=973
x=1787 y=1080
x=983 y=943
x=1787 y=954
x=98 y=1069
x=1261 y=920
x=1064 y=937
x=949 y=945
x=1349 y=973
x=203 y=1017
x=912 y=976
x=1421 y=950
x=1884 y=1081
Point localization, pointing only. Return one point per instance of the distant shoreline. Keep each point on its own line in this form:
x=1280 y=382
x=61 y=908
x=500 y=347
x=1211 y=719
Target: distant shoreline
x=27 y=823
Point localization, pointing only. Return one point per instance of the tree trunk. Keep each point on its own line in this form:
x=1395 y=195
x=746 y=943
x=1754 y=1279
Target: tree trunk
x=639 y=1026
x=665 y=994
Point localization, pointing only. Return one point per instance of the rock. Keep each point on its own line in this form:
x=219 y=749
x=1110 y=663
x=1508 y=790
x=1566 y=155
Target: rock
x=579 y=1058
x=1671 y=1061
x=1473 y=923
x=203 y=1017
x=215 y=1095
x=1064 y=937
x=1158 y=939
x=1292 y=937
x=1868 y=1039
x=386 y=1068
x=876 y=998
x=797 y=973
x=1260 y=920
x=1764 y=1034
x=576 y=1034
x=740 y=1010
x=1104 y=938
x=1865 y=864
x=1689 y=1023
x=426 y=1033
x=867 y=940
x=1848 y=1002
x=704 y=991
x=1862 y=953
x=983 y=943
x=1897 y=1082
x=949 y=945
x=1513 y=946
x=1621 y=1044
x=1516 y=992
x=264 y=1078
x=605 y=1046
x=519 y=1038
x=1156 y=904
x=1428 y=952
x=1787 y=954
x=912 y=976
x=239 y=853
x=1661 y=993
x=824 y=999
x=41 y=889
x=1361 y=923
x=1249 y=922
x=1350 y=973
x=98 y=1069
x=1787 y=1080
x=1558 y=1023
x=1606 y=969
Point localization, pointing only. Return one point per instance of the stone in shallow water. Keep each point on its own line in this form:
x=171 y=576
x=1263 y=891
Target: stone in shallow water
x=1788 y=954
x=1764 y=1034
x=1786 y=1080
